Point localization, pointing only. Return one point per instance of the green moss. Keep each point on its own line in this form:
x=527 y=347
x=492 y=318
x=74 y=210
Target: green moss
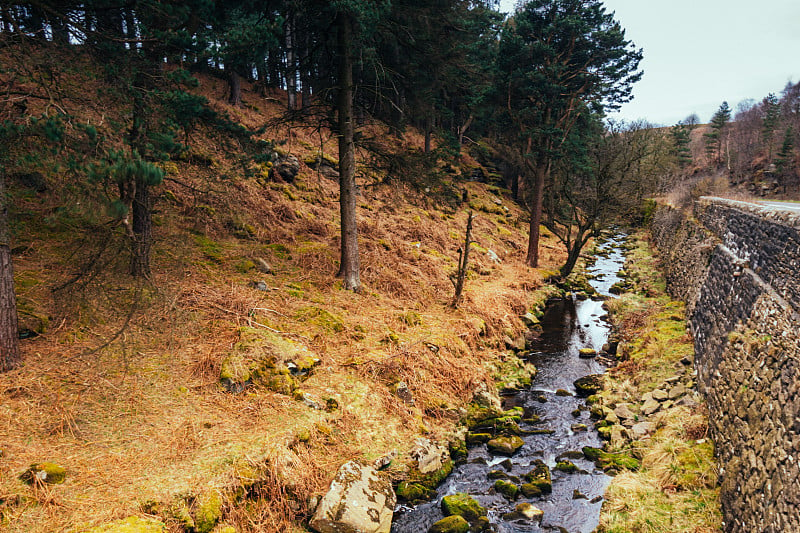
x=410 y=318
x=505 y=445
x=326 y=320
x=413 y=492
x=49 y=473
x=281 y=251
x=540 y=477
x=132 y=524
x=463 y=505
x=506 y=488
x=530 y=490
x=208 y=511
x=450 y=524
x=566 y=466
x=245 y=265
x=211 y=249
x=607 y=460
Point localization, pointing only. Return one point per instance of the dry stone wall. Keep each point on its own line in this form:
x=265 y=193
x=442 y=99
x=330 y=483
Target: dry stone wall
x=737 y=266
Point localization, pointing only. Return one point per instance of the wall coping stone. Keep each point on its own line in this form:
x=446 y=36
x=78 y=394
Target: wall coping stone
x=772 y=213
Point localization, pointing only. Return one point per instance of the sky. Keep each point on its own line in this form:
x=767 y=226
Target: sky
x=699 y=53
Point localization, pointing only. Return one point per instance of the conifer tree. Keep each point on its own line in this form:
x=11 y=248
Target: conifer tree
x=714 y=138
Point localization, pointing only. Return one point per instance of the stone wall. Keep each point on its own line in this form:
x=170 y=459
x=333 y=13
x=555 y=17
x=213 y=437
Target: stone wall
x=737 y=266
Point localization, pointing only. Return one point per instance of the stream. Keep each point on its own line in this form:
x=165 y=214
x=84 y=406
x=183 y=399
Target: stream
x=568 y=325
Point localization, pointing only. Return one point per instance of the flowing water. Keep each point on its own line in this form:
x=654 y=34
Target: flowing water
x=574 y=505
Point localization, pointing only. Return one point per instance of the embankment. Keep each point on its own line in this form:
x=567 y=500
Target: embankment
x=737 y=266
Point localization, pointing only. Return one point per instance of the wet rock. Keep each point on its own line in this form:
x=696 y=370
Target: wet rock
x=563 y=392
x=414 y=492
x=576 y=428
x=506 y=488
x=576 y=413
x=478 y=438
x=566 y=466
x=540 y=477
x=358 y=500
x=571 y=454
x=507 y=464
x=462 y=505
x=497 y=474
x=526 y=511
x=578 y=495
x=505 y=445
x=589 y=385
x=530 y=490
x=587 y=353
x=430 y=456
x=450 y=524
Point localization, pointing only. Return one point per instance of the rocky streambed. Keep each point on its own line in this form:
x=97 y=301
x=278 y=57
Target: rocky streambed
x=535 y=464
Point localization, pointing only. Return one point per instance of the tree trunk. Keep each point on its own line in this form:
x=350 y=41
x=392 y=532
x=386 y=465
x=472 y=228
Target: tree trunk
x=9 y=335
x=291 y=65
x=537 y=199
x=142 y=231
x=235 y=83
x=428 y=132
x=349 y=268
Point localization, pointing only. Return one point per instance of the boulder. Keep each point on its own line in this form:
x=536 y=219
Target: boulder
x=505 y=445
x=587 y=353
x=525 y=511
x=287 y=167
x=588 y=385
x=486 y=396
x=463 y=505
x=430 y=456
x=660 y=395
x=623 y=411
x=642 y=429
x=49 y=473
x=450 y=524
x=358 y=500
x=650 y=407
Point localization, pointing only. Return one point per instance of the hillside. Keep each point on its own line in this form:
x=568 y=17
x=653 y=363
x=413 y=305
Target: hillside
x=146 y=391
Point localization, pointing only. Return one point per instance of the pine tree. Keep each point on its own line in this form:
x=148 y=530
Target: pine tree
x=785 y=160
x=680 y=140
x=714 y=137
x=558 y=58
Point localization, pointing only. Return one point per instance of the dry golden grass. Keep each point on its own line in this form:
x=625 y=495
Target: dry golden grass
x=123 y=388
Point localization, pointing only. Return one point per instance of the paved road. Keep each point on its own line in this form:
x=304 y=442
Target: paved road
x=794 y=207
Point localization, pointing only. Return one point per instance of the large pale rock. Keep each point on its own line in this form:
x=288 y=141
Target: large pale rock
x=358 y=501
x=486 y=396
x=430 y=456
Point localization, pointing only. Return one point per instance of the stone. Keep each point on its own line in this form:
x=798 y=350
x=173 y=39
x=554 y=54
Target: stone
x=450 y=524
x=463 y=505
x=486 y=396
x=530 y=490
x=262 y=266
x=505 y=445
x=430 y=456
x=401 y=390
x=650 y=407
x=506 y=488
x=493 y=257
x=287 y=167
x=576 y=428
x=529 y=319
x=529 y=511
x=578 y=495
x=566 y=466
x=642 y=429
x=587 y=353
x=385 y=460
x=676 y=392
x=660 y=395
x=358 y=500
x=540 y=477
x=623 y=411
x=563 y=392
x=588 y=385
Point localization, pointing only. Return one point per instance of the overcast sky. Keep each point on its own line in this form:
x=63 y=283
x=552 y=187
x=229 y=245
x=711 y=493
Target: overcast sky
x=698 y=53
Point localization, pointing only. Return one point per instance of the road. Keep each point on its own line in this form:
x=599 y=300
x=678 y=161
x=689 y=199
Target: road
x=793 y=207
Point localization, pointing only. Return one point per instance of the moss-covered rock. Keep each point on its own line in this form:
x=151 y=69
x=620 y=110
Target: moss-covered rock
x=610 y=461
x=588 y=385
x=133 y=524
x=208 y=511
x=462 y=505
x=530 y=490
x=49 y=473
x=450 y=524
x=505 y=445
x=413 y=492
x=566 y=466
x=506 y=488
x=540 y=477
